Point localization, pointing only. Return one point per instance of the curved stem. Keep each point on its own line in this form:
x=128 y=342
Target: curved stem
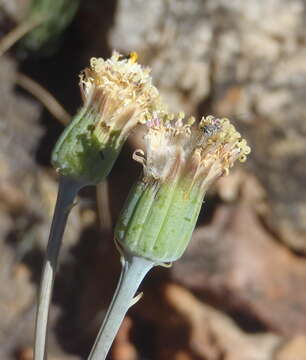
x=17 y=33
x=47 y=99
x=67 y=191
x=133 y=271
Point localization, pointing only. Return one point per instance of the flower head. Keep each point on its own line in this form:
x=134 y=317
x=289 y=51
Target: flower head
x=183 y=158
x=121 y=92
x=118 y=94
x=201 y=152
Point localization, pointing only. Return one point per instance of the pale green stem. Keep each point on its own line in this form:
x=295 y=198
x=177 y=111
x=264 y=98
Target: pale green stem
x=134 y=269
x=68 y=190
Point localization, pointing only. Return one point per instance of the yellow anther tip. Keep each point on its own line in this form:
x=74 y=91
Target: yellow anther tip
x=133 y=57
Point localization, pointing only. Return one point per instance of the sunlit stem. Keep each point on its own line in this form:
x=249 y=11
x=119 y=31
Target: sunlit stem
x=18 y=32
x=67 y=192
x=134 y=269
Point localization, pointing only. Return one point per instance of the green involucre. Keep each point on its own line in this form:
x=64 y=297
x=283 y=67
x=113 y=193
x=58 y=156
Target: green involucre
x=56 y=15
x=157 y=221
x=81 y=155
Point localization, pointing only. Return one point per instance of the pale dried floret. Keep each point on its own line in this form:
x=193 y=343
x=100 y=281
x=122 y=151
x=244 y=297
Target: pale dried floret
x=120 y=90
x=199 y=151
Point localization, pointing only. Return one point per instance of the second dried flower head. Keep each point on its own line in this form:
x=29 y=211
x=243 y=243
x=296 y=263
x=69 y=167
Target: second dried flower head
x=182 y=159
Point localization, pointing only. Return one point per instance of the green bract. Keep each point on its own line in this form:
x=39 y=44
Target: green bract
x=81 y=154
x=157 y=220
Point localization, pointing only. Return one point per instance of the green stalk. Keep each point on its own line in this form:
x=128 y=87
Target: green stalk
x=68 y=190
x=134 y=269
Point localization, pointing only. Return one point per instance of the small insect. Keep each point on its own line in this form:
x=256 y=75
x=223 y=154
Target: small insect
x=212 y=128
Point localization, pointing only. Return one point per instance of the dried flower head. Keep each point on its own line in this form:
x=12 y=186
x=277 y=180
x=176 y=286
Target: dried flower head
x=202 y=152
x=183 y=158
x=121 y=92
x=118 y=94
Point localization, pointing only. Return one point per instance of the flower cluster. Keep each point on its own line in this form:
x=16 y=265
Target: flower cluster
x=182 y=158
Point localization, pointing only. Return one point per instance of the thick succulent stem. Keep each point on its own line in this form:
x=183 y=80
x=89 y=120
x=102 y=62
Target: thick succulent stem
x=133 y=271
x=68 y=190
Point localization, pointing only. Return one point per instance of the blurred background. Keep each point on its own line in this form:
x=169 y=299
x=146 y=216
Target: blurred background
x=239 y=292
